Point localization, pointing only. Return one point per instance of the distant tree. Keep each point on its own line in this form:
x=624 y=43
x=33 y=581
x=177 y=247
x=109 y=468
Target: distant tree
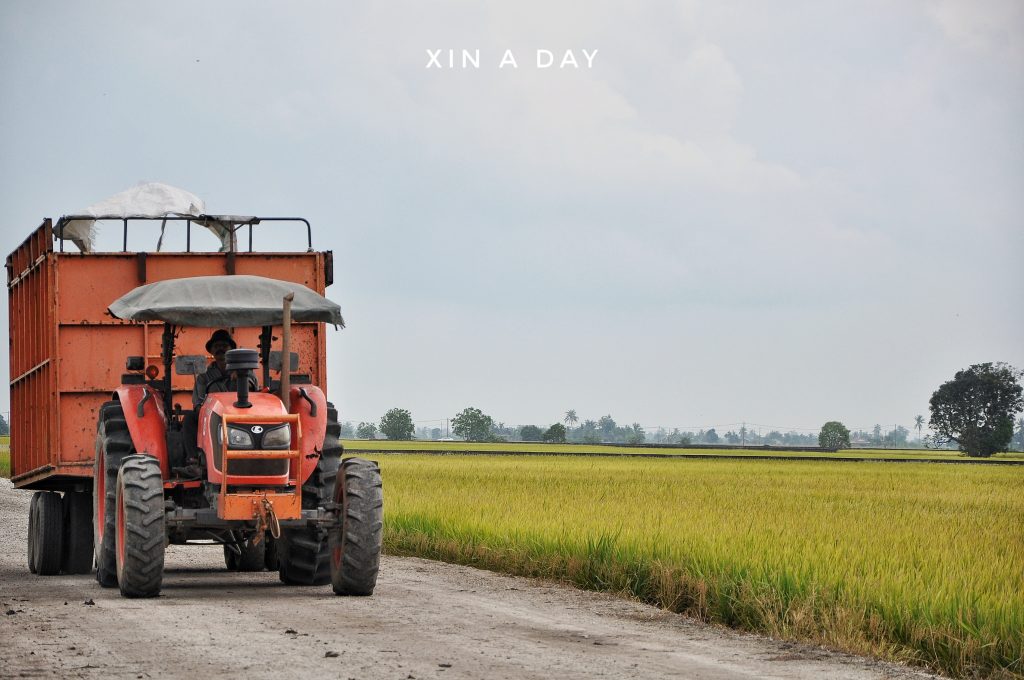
x=976 y=408
x=834 y=435
x=711 y=437
x=773 y=437
x=570 y=417
x=636 y=434
x=918 y=424
x=607 y=426
x=530 y=433
x=472 y=425
x=435 y=433
x=876 y=435
x=686 y=439
x=366 y=431
x=732 y=437
x=555 y=434
x=5 y=428
x=397 y=424
x=348 y=430
x=743 y=434
x=898 y=437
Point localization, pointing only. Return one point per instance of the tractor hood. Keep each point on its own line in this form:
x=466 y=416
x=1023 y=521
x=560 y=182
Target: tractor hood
x=224 y=301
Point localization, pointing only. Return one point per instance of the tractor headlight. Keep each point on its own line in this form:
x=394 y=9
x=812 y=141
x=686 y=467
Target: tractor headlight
x=278 y=438
x=239 y=439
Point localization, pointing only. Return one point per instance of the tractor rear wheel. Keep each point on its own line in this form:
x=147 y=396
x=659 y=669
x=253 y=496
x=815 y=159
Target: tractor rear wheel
x=356 y=540
x=303 y=556
x=113 y=443
x=78 y=549
x=250 y=555
x=46 y=538
x=140 y=527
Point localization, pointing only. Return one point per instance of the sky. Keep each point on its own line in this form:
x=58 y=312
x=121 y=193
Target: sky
x=773 y=213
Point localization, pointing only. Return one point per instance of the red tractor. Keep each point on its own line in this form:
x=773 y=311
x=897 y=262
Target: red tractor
x=257 y=469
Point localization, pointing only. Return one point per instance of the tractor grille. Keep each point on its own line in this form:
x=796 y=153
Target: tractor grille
x=253 y=468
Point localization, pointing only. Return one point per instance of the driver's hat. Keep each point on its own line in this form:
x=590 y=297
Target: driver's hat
x=220 y=336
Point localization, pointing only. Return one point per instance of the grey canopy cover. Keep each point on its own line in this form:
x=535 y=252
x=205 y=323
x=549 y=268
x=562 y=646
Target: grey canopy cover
x=224 y=301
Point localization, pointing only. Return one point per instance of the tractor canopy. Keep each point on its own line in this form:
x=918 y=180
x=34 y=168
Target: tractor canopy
x=224 y=301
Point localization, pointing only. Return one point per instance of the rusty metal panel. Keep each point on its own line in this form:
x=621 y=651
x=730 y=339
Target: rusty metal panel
x=31 y=318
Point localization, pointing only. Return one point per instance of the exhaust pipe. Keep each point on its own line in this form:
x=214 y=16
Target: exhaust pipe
x=286 y=353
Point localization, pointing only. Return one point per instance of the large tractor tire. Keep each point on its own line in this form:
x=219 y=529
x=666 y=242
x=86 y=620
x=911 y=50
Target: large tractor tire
x=141 y=536
x=46 y=533
x=303 y=556
x=113 y=443
x=355 y=542
x=78 y=548
x=246 y=555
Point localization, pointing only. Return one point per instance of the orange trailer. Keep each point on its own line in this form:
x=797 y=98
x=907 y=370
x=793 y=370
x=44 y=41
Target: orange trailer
x=68 y=353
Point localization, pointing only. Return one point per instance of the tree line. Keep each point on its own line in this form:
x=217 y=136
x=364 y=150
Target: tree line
x=973 y=412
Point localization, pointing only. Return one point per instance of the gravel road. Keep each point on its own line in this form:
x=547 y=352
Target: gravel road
x=426 y=620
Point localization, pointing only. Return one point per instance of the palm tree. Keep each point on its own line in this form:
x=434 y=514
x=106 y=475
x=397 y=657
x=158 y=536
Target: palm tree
x=570 y=417
x=918 y=423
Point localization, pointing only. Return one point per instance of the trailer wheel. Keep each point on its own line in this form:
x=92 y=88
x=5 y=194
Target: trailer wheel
x=141 y=537
x=250 y=557
x=78 y=549
x=32 y=521
x=113 y=443
x=355 y=541
x=47 y=533
x=303 y=556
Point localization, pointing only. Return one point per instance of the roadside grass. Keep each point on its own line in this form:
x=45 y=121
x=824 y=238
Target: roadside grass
x=385 y=445
x=917 y=564
x=5 y=455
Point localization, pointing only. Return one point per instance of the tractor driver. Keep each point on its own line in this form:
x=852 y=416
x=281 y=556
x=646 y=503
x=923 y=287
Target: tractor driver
x=216 y=378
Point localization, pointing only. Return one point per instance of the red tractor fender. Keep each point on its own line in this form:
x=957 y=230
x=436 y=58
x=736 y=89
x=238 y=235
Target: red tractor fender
x=304 y=401
x=148 y=430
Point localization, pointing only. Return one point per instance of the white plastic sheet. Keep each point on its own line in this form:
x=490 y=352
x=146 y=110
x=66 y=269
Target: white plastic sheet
x=149 y=199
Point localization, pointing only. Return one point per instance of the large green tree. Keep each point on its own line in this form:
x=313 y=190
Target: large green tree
x=555 y=434
x=397 y=424
x=472 y=425
x=976 y=408
x=366 y=431
x=530 y=433
x=834 y=435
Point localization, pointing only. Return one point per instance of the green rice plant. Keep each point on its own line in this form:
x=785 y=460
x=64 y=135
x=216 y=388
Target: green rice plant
x=915 y=563
x=5 y=455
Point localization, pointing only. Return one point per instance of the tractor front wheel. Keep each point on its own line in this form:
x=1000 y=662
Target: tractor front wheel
x=302 y=554
x=140 y=537
x=355 y=541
